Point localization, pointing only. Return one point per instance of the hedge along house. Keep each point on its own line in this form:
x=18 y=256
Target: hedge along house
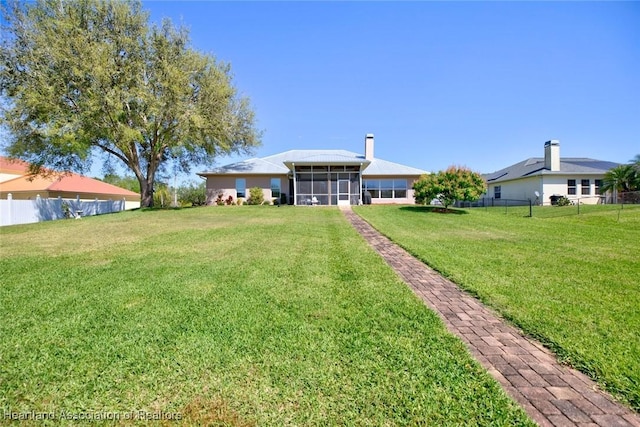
x=573 y=177
x=316 y=177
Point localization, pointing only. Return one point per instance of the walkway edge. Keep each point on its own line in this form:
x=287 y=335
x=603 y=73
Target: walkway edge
x=552 y=394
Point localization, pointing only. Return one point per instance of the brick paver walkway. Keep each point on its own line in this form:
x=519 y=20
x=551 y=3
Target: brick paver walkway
x=552 y=394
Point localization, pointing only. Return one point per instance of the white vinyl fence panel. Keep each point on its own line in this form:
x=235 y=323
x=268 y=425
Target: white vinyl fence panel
x=29 y=211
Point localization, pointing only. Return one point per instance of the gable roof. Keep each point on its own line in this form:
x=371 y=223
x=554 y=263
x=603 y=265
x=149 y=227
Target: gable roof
x=13 y=166
x=535 y=166
x=384 y=167
x=68 y=183
x=283 y=163
x=73 y=183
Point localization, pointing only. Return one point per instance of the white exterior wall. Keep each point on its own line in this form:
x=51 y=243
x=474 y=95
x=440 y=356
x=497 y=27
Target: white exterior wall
x=547 y=186
x=131 y=205
x=522 y=189
x=558 y=185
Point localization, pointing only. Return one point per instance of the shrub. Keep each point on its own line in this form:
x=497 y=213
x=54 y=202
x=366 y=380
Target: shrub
x=66 y=210
x=194 y=194
x=219 y=200
x=256 y=197
x=563 y=201
x=229 y=200
x=162 y=196
x=455 y=183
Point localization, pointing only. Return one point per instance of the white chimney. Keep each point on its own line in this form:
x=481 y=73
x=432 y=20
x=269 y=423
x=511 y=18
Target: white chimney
x=552 y=155
x=368 y=146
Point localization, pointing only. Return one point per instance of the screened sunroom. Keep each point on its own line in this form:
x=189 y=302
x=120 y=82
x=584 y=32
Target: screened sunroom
x=327 y=184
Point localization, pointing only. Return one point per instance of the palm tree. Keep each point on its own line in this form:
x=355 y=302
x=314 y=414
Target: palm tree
x=619 y=179
x=635 y=162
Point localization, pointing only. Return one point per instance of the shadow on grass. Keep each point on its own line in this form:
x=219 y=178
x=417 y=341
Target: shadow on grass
x=434 y=209
x=166 y=208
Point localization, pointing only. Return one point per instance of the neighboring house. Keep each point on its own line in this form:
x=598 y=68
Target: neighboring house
x=316 y=177
x=551 y=175
x=16 y=180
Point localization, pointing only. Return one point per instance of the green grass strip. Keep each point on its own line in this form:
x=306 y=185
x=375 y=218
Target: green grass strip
x=231 y=316
x=571 y=281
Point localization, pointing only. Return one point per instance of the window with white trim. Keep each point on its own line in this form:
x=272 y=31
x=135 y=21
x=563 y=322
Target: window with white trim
x=598 y=183
x=497 y=192
x=275 y=188
x=585 y=185
x=571 y=187
x=386 y=188
x=241 y=187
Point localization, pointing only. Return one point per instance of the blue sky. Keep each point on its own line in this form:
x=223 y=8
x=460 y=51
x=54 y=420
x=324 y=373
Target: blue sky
x=481 y=84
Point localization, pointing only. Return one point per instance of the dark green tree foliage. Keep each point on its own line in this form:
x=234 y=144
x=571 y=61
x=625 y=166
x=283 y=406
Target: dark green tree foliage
x=79 y=75
x=622 y=178
x=192 y=194
x=635 y=162
x=127 y=182
x=455 y=183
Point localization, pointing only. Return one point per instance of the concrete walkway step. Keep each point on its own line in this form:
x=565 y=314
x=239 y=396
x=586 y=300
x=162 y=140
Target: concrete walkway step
x=551 y=393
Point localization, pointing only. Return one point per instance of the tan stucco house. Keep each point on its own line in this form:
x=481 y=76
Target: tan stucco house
x=316 y=177
x=540 y=178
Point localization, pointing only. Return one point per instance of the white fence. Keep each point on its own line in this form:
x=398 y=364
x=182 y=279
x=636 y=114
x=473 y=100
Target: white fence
x=29 y=211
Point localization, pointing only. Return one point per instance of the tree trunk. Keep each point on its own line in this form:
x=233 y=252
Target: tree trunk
x=146 y=194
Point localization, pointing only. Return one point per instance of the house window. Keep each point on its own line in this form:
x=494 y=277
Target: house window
x=275 y=188
x=586 y=187
x=400 y=188
x=571 y=187
x=241 y=187
x=497 y=192
x=598 y=185
x=386 y=188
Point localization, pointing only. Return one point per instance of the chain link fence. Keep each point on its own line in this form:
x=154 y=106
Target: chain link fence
x=529 y=207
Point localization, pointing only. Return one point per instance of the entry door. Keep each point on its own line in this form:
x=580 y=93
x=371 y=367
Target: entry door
x=343 y=192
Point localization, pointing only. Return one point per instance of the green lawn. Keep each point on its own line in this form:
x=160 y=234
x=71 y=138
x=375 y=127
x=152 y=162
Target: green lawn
x=573 y=282
x=227 y=315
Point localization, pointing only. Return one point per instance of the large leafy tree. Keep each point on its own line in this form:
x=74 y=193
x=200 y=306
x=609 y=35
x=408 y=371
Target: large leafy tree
x=454 y=183
x=82 y=76
x=127 y=181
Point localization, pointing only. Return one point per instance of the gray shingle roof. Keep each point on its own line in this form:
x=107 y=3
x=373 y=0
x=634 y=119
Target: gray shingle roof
x=384 y=167
x=278 y=163
x=535 y=166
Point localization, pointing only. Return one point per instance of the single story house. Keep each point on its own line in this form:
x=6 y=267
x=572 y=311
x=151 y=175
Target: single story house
x=316 y=177
x=16 y=180
x=540 y=178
